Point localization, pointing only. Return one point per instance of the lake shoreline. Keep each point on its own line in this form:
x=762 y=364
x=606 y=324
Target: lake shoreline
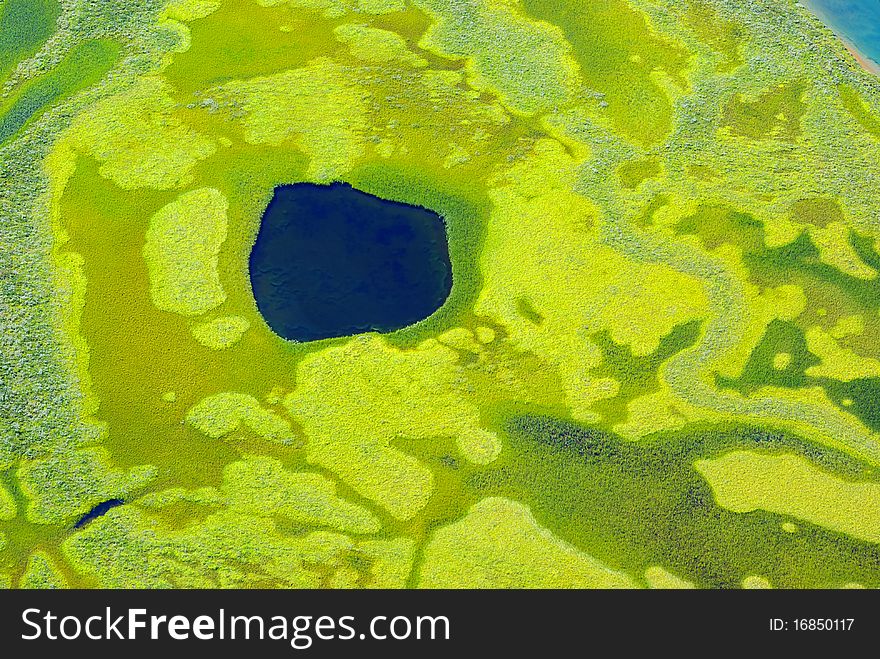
x=864 y=60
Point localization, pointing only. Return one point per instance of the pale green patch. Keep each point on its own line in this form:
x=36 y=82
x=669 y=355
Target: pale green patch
x=853 y=325
x=318 y=108
x=781 y=360
x=41 y=572
x=378 y=46
x=182 y=251
x=203 y=496
x=837 y=361
x=222 y=332
x=231 y=550
x=789 y=484
x=190 y=10
x=527 y=62
x=222 y=414
x=485 y=334
x=499 y=544
x=138 y=140
x=353 y=400
x=8 y=509
x=262 y=487
x=337 y=8
x=755 y=582
x=659 y=578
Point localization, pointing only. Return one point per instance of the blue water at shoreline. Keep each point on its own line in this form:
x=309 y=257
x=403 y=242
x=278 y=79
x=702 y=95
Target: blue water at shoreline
x=856 y=21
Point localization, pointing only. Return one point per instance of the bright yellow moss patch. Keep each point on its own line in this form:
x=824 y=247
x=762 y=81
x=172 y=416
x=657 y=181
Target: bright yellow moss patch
x=527 y=63
x=337 y=8
x=190 y=10
x=755 y=582
x=263 y=487
x=541 y=231
x=222 y=414
x=848 y=326
x=659 y=578
x=222 y=332
x=182 y=250
x=317 y=107
x=499 y=544
x=379 y=46
x=835 y=249
x=781 y=360
x=838 y=362
x=788 y=484
x=138 y=141
x=8 y=509
x=785 y=302
x=485 y=334
x=41 y=572
x=383 y=389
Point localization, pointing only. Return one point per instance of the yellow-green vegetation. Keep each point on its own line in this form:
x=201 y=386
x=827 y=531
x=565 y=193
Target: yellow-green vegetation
x=744 y=481
x=123 y=131
x=657 y=365
x=222 y=414
x=657 y=577
x=526 y=62
x=182 y=249
x=755 y=582
x=377 y=46
x=722 y=35
x=775 y=113
x=221 y=332
x=853 y=102
x=41 y=573
x=354 y=440
x=24 y=26
x=7 y=505
x=263 y=487
x=498 y=544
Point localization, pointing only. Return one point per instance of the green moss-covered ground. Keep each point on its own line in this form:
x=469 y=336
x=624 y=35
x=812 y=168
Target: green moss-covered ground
x=657 y=366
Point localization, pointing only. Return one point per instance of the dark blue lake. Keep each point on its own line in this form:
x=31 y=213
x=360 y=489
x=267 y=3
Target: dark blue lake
x=333 y=261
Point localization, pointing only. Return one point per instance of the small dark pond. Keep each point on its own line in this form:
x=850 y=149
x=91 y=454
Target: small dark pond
x=333 y=261
x=98 y=511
